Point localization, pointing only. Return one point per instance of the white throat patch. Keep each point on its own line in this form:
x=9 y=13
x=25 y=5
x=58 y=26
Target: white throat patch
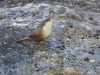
x=47 y=29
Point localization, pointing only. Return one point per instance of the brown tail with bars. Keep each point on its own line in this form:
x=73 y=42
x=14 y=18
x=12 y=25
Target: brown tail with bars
x=23 y=39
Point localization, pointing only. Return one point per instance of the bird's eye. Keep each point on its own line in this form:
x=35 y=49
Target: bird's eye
x=49 y=20
x=46 y=20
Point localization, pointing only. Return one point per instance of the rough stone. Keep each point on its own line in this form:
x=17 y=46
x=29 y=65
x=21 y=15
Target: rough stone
x=73 y=47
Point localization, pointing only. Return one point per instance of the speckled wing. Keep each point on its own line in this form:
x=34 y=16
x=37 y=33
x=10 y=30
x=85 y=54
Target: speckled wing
x=35 y=33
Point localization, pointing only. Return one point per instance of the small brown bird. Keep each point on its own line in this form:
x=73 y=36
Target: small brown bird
x=41 y=33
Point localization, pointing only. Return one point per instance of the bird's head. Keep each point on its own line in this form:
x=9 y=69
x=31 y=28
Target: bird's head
x=47 y=24
x=49 y=20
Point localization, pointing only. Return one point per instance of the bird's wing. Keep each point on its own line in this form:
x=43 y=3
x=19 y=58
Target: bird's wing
x=35 y=33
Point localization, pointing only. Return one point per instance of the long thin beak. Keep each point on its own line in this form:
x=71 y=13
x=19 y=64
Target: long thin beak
x=55 y=18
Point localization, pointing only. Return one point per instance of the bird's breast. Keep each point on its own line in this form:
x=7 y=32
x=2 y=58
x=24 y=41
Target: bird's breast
x=46 y=30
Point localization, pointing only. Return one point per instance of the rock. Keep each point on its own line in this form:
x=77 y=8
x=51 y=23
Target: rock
x=73 y=48
x=2 y=16
x=66 y=71
x=82 y=2
x=58 y=9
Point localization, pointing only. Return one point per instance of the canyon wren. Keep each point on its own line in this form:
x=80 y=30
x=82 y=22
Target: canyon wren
x=41 y=33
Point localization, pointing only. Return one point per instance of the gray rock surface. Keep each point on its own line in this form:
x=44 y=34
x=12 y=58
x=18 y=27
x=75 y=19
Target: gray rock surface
x=73 y=47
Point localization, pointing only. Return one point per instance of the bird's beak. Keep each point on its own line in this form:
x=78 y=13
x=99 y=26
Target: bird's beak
x=55 y=18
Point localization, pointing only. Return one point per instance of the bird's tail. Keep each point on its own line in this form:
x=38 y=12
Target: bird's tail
x=23 y=39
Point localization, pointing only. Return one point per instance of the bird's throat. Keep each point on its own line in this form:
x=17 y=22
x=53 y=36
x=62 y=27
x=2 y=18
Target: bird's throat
x=47 y=29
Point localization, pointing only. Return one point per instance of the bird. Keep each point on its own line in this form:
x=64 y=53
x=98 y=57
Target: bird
x=41 y=33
